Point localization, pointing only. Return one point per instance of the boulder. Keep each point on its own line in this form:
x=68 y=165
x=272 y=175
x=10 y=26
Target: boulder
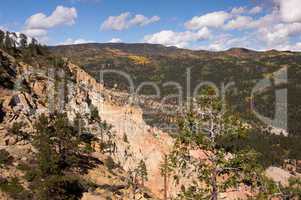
x=278 y=175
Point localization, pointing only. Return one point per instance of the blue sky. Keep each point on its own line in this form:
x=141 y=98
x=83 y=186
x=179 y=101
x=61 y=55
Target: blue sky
x=195 y=24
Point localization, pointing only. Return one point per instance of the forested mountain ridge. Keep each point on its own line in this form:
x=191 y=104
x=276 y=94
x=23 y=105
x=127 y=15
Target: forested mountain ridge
x=63 y=135
x=159 y=64
x=49 y=143
x=245 y=68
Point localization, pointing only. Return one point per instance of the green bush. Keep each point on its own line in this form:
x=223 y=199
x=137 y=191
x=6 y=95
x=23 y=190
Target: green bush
x=61 y=188
x=94 y=113
x=109 y=162
x=5 y=158
x=14 y=189
x=125 y=138
x=16 y=130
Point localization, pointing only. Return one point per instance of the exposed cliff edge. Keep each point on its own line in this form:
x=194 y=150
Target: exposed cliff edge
x=38 y=95
x=27 y=92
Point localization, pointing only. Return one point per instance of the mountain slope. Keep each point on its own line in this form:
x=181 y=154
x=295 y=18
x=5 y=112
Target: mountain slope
x=36 y=82
x=245 y=68
x=33 y=98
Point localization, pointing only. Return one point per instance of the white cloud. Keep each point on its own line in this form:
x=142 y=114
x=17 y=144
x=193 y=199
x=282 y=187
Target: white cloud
x=290 y=10
x=35 y=32
x=141 y=20
x=280 y=33
x=238 y=10
x=178 y=39
x=214 y=19
x=266 y=21
x=255 y=10
x=292 y=47
x=115 y=40
x=125 y=21
x=38 y=24
x=116 y=22
x=240 y=22
x=3 y=28
x=60 y=16
x=223 y=42
x=277 y=29
x=70 y=41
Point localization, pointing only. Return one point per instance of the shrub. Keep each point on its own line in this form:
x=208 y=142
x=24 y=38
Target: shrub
x=5 y=158
x=14 y=189
x=125 y=138
x=94 y=113
x=110 y=163
x=16 y=130
x=61 y=187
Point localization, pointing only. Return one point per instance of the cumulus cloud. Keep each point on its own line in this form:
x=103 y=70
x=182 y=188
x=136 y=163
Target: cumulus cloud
x=280 y=33
x=35 y=32
x=290 y=10
x=225 y=41
x=255 y=10
x=277 y=29
x=240 y=22
x=238 y=10
x=3 y=28
x=115 y=40
x=60 y=16
x=291 y=47
x=126 y=20
x=70 y=41
x=213 y=19
x=141 y=20
x=178 y=39
x=268 y=20
x=38 y=24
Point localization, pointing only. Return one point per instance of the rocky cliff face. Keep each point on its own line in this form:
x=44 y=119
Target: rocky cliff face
x=26 y=92
x=144 y=142
x=32 y=92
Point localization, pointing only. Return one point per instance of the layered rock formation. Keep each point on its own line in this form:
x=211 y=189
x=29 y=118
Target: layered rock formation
x=27 y=92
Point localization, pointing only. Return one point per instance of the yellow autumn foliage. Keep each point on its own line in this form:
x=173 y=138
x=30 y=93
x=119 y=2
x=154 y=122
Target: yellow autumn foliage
x=139 y=60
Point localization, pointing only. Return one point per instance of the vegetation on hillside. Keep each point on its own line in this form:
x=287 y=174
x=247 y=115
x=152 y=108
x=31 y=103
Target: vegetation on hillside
x=245 y=68
x=217 y=169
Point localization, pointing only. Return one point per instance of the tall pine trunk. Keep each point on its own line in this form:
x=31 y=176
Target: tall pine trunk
x=214 y=193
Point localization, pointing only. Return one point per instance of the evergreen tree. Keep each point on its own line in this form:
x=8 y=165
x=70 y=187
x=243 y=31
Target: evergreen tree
x=142 y=172
x=23 y=41
x=8 y=43
x=2 y=36
x=32 y=47
x=17 y=131
x=199 y=130
x=58 y=155
x=165 y=170
x=57 y=143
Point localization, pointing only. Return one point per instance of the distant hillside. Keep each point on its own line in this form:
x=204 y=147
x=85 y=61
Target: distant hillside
x=160 y=64
x=65 y=136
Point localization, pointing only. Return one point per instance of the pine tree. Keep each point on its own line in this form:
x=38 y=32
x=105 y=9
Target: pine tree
x=33 y=47
x=142 y=172
x=2 y=36
x=17 y=131
x=165 y=171
x=57 y=142
x=199 y=131
x=9 y=43
x=23 y=41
